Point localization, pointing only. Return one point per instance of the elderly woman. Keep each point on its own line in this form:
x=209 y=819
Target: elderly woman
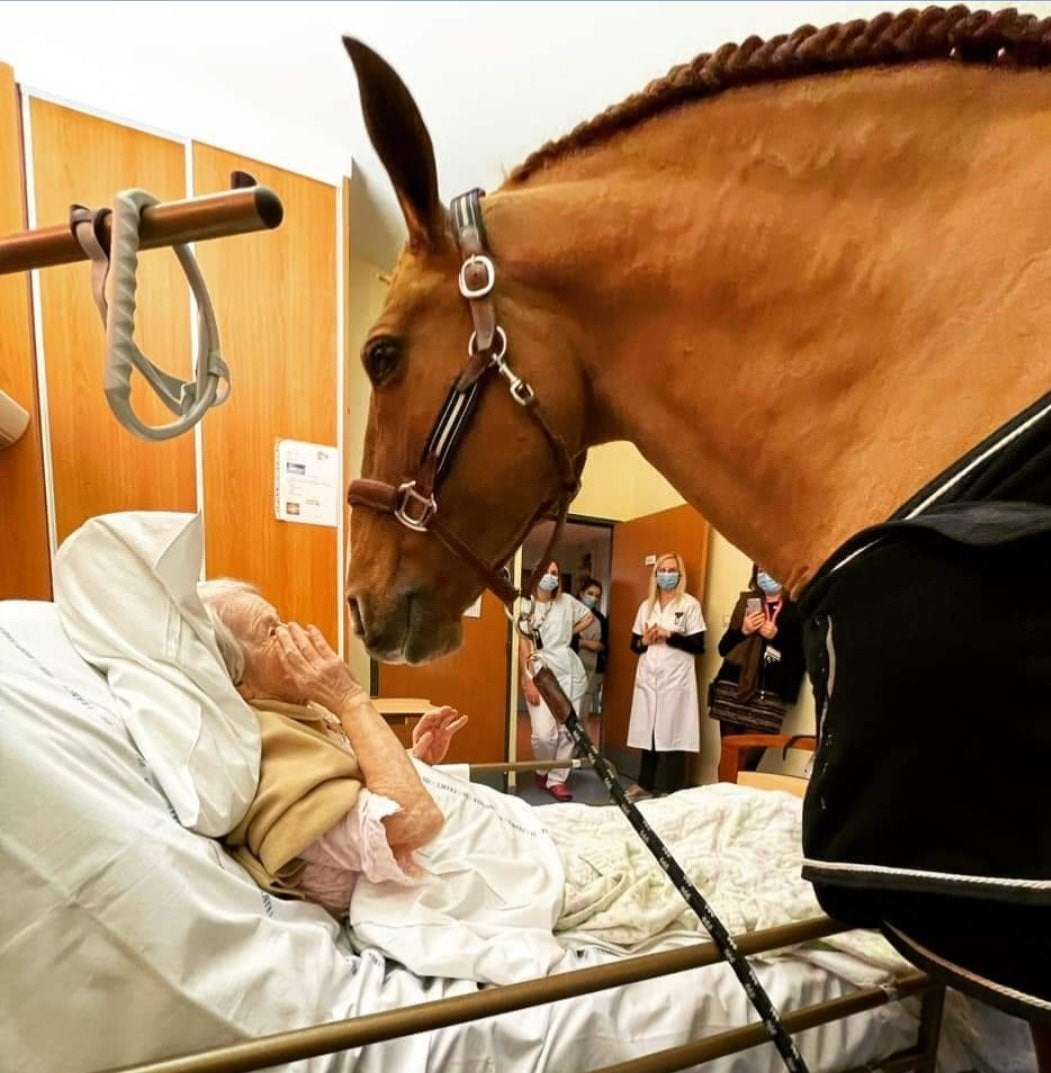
x=338 y=795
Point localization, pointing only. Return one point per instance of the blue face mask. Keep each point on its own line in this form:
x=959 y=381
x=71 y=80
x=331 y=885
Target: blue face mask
x=667 y=579
x=589 y=601
x=548 y=583
x=767 y=583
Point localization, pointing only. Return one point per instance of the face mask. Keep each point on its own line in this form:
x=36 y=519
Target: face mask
x=548 y=583
x=667 y=579
x=589 y=601
x=767 y=583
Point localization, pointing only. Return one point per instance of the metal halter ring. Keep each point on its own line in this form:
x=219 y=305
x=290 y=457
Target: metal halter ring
x=498 y=355
x=466 y=289
x=428 y=507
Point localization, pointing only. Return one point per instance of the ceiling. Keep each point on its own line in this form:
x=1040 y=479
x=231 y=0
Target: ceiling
x=493 y=80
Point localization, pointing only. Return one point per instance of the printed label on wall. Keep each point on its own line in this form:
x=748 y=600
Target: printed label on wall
x=306 y=483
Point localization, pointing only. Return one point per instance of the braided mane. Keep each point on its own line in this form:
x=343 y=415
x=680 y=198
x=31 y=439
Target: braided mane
x=1005 y=38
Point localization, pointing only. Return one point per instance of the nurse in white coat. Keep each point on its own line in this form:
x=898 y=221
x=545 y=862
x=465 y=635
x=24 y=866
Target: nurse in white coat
x=668 y=635
x=556 y=617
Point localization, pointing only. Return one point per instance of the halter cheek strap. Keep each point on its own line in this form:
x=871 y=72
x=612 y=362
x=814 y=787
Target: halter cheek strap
x=414 y=501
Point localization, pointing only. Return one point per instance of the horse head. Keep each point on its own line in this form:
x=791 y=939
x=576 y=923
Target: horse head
x=483 y=477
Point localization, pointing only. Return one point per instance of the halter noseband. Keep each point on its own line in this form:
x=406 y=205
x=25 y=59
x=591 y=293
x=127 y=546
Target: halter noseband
x=414 y=502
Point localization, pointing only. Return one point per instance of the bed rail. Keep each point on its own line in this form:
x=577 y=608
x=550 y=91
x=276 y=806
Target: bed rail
x=361 y=1031
x=735 y=1040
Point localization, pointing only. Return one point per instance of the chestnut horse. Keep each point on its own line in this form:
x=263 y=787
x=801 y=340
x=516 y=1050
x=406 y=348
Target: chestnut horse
x=815 y=268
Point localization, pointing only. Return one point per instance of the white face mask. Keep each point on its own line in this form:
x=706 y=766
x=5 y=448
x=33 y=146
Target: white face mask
x=548 y=583
x=667 y=579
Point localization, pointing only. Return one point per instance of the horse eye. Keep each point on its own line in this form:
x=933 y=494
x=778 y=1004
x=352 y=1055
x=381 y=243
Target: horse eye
x=382 y=357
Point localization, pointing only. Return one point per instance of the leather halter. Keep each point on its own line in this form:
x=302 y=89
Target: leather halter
x=414 y=502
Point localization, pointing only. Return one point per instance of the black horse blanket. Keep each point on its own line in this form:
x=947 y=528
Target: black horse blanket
x=928 y=641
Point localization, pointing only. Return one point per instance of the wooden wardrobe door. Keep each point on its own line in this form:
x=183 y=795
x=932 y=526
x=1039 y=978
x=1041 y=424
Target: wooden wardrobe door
x=98 y=465
x=473 y=679
x=275 y=299
x=25 y=566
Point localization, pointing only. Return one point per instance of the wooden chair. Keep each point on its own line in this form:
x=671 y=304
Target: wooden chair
x=402 y=714
x=741 y=750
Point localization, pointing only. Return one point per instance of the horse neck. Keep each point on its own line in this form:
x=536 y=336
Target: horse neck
x=800 y=322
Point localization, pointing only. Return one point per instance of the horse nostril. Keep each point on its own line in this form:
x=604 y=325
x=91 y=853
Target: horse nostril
x=355 y=616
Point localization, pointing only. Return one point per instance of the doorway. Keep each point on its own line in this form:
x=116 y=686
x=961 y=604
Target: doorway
x=584 y=552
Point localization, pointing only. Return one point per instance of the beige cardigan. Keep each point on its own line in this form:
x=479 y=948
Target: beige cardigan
x=307 y=784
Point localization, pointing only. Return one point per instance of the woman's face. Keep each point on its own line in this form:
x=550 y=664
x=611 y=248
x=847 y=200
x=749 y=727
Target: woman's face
x=548 y=581
x=593 y=590
x=669 y=562
x=253 y=622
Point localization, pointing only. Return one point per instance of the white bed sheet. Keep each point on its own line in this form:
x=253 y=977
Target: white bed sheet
x=125 y=937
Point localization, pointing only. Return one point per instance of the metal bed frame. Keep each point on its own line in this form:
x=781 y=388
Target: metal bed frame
x=330 y=1038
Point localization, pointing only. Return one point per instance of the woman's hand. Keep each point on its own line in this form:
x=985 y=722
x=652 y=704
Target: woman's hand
x=752 y=623
x=433 y=733
x=312 y=670
x=768 y=630
x=532 y=694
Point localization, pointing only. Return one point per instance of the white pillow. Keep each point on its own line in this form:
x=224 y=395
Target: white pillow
x=126 y=590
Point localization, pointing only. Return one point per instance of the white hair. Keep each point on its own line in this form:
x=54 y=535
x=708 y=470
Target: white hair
x=213 y=595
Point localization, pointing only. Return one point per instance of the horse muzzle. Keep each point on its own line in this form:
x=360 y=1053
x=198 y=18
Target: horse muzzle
x=402 y=628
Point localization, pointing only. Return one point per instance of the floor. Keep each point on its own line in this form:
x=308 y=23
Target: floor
x=586 y=787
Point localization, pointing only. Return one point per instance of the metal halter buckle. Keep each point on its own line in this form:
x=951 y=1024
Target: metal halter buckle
x=407 y=495
x=466 y=289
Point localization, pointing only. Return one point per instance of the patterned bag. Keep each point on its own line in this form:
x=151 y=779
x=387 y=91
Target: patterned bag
x=763 y=712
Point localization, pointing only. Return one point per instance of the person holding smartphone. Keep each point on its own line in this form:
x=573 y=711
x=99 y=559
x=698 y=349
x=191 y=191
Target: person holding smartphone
x=762 y=652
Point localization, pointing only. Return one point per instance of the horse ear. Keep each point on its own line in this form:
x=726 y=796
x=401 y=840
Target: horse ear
x=399 y=136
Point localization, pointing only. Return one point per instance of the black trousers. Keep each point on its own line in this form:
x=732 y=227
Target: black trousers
x=674 y=770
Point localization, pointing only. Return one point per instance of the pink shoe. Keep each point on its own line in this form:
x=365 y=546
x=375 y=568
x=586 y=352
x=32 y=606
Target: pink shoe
x=541 y=779
x=560 y=792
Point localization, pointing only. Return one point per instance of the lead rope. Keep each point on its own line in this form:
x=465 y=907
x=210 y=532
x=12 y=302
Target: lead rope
x=116 y=273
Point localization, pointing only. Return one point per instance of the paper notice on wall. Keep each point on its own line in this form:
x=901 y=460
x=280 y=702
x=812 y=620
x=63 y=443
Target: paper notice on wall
x=306 y=483
x=475 y=610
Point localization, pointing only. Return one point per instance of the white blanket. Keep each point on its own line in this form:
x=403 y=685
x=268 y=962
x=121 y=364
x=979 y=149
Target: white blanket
x=486 y=904
x=741 y=848
x=501 y=875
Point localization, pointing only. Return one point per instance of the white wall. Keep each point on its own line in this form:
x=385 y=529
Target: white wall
x=618 y=483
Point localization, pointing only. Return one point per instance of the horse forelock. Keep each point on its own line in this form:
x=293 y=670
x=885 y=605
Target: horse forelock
x=1006 y=38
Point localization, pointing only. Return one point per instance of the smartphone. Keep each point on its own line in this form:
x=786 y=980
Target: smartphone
x=753 y=605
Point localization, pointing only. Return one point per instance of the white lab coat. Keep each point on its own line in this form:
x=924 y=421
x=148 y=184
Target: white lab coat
x=665 y=714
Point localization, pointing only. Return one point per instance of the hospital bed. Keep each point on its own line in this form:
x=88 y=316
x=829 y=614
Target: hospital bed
x=128 y=939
